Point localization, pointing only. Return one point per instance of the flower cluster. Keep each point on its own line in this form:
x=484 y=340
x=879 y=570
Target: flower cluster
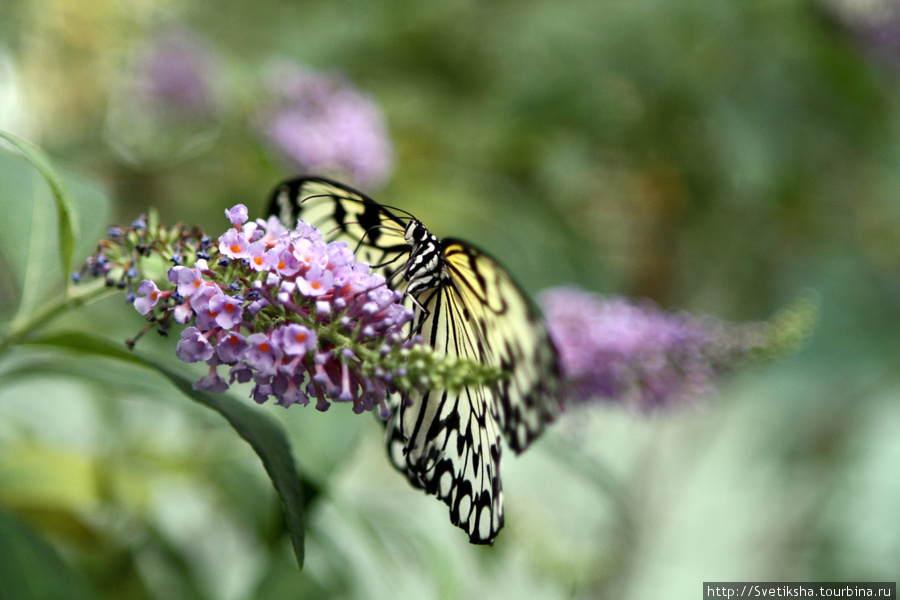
x=283 y=309
x=174 y=73
x=631 y=351
x=117 y=258
x=322 y=124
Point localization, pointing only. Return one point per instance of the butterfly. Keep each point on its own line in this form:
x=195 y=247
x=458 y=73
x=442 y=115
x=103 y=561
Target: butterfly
x=468 y=306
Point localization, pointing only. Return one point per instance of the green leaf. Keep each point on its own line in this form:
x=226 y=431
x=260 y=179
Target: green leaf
x=264 y=436
x=31 y=569
x=67 y=222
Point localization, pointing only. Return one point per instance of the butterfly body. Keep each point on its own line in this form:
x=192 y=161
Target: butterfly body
x=424 y=268
x=468 y=306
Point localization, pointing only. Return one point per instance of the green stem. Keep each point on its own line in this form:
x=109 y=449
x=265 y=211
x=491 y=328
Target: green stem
x=22 y=327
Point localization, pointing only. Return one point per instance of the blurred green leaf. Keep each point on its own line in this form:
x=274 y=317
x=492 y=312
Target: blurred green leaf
x=263 y=435
x=67 y=222
x=31 y=569
x=33 y=261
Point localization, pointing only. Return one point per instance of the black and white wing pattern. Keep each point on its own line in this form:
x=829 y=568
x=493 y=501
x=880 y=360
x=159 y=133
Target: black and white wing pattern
x=374 y=233
x=467 y=305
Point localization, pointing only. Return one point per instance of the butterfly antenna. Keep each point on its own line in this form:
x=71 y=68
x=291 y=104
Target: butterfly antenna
x=382 y=227
x=387 y=228
x=406 y=214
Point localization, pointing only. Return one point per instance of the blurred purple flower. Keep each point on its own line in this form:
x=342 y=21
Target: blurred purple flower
x=631 y=351
x=166 y=106
x=175 y=74
x=322 y=124
x=874 y=25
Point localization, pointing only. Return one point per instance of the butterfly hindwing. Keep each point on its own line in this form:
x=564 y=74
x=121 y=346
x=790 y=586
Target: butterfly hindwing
x=452 y=440
x=448 y=442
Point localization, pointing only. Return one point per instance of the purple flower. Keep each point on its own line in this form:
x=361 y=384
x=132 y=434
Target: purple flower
x=296 y=340
x=189 y=282
x=175 y=76
x=310 y=253
x=150 y=296
x=630 y=351
x=320 y=123
x=231 y=348
x=225 y=310
x=339 y=254
x=212 y=382
x=282 y=261
x=294 y=315
x=292 y=394
x=200 y=300
x=234 y=244
x=316 y=283
x=183 y=313
x=237 y=215
x=242 y=373
x=193 y=346
x=263 y=352
x=256 y=256
x=165 y=106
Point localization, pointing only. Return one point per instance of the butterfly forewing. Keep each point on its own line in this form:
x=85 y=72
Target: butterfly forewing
x=340 y=213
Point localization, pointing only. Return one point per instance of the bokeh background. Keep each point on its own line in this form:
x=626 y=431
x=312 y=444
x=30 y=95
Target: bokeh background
x=716 y=157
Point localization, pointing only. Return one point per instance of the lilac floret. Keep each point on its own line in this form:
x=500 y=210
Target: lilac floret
x=233 y=244
x=149 y=296
x=189 y=282
x=317 y=282
x=263 y=352
x=231 y=348
x=226 y=309
x=212 y=382
x=193 y=346
x=237 y=215
x=296 y=340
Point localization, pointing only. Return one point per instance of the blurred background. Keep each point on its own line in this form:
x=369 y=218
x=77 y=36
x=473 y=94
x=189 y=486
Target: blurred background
x=717 y=157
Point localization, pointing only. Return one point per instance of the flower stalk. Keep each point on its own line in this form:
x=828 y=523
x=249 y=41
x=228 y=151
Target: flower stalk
x=22 y=327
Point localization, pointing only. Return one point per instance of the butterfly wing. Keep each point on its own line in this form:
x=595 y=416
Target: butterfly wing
x=512 y=338
x=448 y=443
x=340 y=213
